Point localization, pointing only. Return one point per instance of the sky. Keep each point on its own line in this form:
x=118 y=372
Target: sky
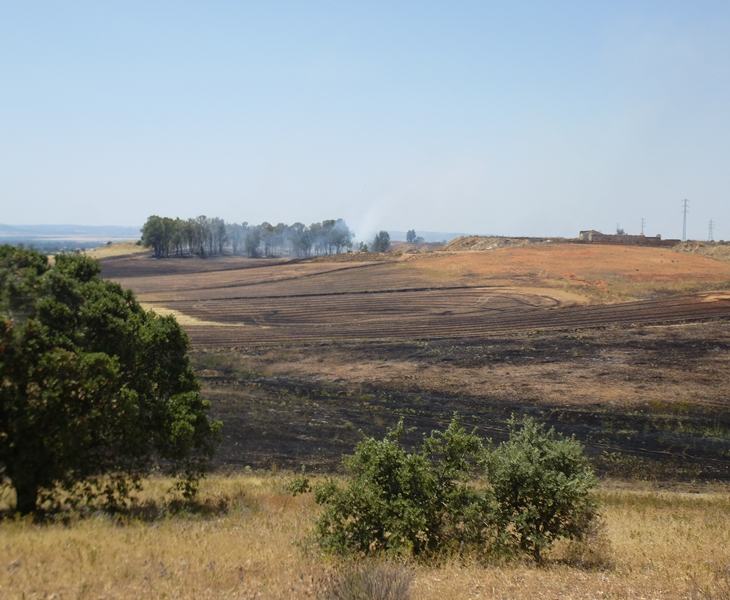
x=507 y=118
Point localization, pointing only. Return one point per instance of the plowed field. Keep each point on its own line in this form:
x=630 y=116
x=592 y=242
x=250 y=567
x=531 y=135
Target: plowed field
x=627 y=348
x=237 y=301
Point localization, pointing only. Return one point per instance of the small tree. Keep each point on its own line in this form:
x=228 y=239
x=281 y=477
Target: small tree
x=411 y=236
x=94 y=391
x=541 y=484
x=156 y=234
x=381 y=243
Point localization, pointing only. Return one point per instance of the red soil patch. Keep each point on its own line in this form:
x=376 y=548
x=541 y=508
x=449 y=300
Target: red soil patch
x=615 y=270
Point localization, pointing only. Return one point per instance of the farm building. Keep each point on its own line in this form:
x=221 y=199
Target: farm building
x=634 y=240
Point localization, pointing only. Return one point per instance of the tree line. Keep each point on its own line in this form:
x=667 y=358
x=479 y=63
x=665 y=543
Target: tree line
x=205 y=236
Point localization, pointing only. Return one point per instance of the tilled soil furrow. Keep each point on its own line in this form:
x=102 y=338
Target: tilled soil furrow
x=387 y=325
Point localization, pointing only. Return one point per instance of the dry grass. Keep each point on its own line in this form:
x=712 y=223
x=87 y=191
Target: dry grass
x=184 y=319
x=716 y=250
x=599 y=273
x=243 y=545
x=245 y=552
x=117 y=249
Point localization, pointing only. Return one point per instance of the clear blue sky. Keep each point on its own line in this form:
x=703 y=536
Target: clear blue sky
x=514 y=118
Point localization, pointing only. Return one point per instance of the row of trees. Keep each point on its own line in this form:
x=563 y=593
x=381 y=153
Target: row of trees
x=204 y=236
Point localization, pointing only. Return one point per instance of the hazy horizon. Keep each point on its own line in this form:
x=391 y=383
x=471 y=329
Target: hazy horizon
x=521 y=118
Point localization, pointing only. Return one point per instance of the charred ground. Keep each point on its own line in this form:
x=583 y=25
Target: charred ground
x=627 y=348
x=647 y=402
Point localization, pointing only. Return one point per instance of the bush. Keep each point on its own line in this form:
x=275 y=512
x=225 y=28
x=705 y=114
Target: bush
x=406 y=503
x=536 y=490
x=371 y=582
x=541 y=485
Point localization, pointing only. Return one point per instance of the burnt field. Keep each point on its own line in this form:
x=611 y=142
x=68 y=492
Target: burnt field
x=625 y=348
x=649 y=402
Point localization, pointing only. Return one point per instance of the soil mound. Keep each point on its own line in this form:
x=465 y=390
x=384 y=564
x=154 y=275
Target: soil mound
x=479 y=242
x=716 y=250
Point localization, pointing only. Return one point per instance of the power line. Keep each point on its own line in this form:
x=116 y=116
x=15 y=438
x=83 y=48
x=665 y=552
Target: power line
x=685 y=210
x=710 y=236
x=643 y=222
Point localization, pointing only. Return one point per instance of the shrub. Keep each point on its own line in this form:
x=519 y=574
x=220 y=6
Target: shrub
x=536 y=490
x=406 y=503
x=541 y=485
x=371 y=582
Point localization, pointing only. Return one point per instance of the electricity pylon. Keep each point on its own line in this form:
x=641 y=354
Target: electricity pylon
x=685 y=210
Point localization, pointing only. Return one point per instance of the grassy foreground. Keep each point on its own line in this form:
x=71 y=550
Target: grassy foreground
x=241 y=542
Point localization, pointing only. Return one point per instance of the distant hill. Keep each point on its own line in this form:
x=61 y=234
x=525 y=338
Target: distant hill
x=428 y=236
x=66 y=238
x=102 y=233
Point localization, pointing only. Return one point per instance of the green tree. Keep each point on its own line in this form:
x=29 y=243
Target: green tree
x=381 y=243
x=94 y=391
x=235 y=233
x=340 y=237
x=219 y=235
x=252 y=241
x=541 y=483
x=153 y=235
x=411 y=236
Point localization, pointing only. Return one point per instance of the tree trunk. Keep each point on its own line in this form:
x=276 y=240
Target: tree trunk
x=26 y=493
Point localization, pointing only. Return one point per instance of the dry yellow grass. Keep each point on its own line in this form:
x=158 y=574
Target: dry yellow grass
x=718 y=251
x=656 y=543
x=600 y=273
x=184 y=319
x=117 y=249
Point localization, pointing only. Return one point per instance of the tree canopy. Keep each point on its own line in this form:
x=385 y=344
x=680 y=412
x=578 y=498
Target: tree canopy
x=204 y=236
x=413 y=238
x=381 y=242
x=95 y=391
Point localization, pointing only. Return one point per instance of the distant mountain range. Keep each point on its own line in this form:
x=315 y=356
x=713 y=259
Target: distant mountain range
x=428 y=236
x=89 y=233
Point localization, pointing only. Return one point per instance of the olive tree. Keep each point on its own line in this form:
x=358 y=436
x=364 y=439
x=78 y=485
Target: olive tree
x=95 y=391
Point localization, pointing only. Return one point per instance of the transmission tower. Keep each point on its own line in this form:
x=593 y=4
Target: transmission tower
x=710 y=235
x=643 y=223
x=685 y=210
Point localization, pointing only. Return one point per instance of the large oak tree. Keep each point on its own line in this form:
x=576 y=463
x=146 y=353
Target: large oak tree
x=95 y=392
